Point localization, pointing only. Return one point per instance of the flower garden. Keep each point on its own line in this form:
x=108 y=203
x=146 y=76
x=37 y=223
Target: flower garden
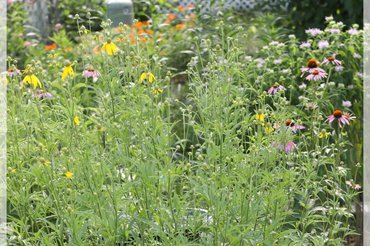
x=185 y=129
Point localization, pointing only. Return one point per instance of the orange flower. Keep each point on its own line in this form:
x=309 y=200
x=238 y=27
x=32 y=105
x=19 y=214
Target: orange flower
x=137 y=25
x=190 y=6
x=96 y=50
x=180 y=26
x=133 y=38
x=140 y=25
x=51 y=46
x=181 y=8
x=150 y=32
x=170 y=18
x=68 y=49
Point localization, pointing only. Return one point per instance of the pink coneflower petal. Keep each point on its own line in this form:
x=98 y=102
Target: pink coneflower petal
x=331 y=118
x=317 y=74
x=298 y=127
x=275 y=88
x=289 y=146
x=343 y=118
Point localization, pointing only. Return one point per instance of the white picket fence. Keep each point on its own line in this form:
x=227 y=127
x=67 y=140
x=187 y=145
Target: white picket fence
x=122 y=10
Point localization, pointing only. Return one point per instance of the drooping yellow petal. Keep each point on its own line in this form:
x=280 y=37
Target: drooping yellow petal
x=27 y=79
x=35 y=81
x=157 y=91
x=32 y=80
x=76 y=120
x=147 y=76
x=151 y=77
x=142 y=77
x=68 y=70
x=109 y=47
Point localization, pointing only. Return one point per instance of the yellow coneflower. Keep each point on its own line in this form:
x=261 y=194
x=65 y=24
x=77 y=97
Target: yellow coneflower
x=68 y=70
x=32 y=80
x=76 y=120
x=269 y=129
x=324 y=134
x=68 y=175
x=147 y=76
x=157 y=91
x=260 y=116
x=109 y=47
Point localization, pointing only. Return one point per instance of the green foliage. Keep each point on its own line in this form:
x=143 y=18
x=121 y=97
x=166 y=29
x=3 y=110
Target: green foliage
x=119 y=158
x=16 y=19
x=301 y=15
x=91 y=14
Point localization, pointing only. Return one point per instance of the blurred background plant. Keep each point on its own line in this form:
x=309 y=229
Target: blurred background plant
x=301 y=15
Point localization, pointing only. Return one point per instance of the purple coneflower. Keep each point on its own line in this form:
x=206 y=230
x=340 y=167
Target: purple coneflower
x=294 y=127
x=341 y=117
x=312 y=64
x=275 y=88
x=42 y=94
x=317 y=74
x=288 y=147
x=90 y=73
x=13 y=72
x=332 y=60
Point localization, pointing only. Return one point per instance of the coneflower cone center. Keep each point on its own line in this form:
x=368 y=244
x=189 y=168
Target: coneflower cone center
x=289 y=123
x=337 y=114
x=312 y=63
x=315 y=72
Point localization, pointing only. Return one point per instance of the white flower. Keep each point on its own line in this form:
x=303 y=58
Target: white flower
x=305 y=45
x=353 y=31
x=323 y=44
x=302 y=86
x=278 y=61
x=313 y=31
x=329 y=18
x=357 y=56
x=346 y=103
x=338 y=68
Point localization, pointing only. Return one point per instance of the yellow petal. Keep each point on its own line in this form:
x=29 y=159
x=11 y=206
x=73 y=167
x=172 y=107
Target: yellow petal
x=67 y=71
x=35 y=81
x=151 y=77
x=68 y=174
x=76 y=120
x=110 y=48
x=142 y=77
x=27 y=79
